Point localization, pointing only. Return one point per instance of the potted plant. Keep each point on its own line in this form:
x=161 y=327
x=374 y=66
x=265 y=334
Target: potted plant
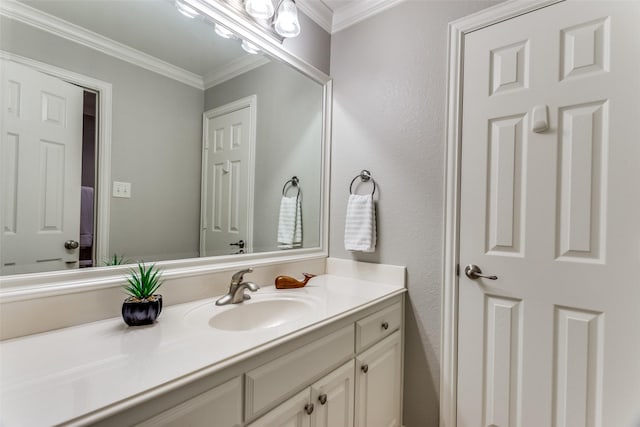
x=116 y=260
x=143 y=305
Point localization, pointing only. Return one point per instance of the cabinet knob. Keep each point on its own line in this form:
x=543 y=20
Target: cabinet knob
x=364 y=368
x=322 y=399
x=385 y=325
x=308 y=408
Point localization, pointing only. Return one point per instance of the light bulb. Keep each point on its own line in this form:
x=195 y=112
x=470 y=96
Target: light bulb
x=223 y=32
x=250 y=47
x=286 y=23
x=259 y=9
x=186 y=10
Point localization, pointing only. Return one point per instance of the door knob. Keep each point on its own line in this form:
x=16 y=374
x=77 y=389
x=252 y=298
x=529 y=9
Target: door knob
x=308 y=408
x=71 y=244
x=473 y=272
x=239 y=243
x=322 y=399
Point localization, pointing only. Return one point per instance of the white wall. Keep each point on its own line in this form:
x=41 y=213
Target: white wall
x=389 y=109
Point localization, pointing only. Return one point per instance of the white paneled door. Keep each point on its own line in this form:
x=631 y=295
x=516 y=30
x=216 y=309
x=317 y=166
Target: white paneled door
x=227 y=183
x=554 y=213
x=41 y=158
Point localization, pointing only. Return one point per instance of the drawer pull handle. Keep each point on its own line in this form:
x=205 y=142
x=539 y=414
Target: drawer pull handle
x=322 y=399
x=308 y=408
x=364 y=368
x=385 y=325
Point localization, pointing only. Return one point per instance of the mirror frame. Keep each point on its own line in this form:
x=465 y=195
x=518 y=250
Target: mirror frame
x=38 y=285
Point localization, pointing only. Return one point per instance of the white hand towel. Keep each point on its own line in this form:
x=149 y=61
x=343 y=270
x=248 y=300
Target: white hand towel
x=360 y=225
x=290 y=223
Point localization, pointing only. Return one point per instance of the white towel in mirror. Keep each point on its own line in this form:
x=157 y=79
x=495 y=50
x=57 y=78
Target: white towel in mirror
x=290 y=223
x=360 y=225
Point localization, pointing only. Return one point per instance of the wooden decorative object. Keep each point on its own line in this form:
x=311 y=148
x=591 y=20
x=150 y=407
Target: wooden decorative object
x=287 y=282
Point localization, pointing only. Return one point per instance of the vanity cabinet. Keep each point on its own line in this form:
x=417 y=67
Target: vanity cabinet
x=333 y=398
x=220 y=407
x=364 y=392
x=347 y=373
x=378 y=383
x=294 y=412
x=327 y=403
x=271 y=382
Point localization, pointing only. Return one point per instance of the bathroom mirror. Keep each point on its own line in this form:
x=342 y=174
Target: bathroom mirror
x=161 y=96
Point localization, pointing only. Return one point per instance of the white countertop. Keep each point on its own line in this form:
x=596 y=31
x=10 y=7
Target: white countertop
x=57 y=376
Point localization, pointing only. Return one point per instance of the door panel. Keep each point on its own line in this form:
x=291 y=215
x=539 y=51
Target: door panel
x=41 y=162
x=227 y=182
x=553 y=214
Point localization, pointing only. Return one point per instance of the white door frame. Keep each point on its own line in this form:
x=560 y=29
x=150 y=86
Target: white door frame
x=103 y=186
x=250 y=101
x=449 y=321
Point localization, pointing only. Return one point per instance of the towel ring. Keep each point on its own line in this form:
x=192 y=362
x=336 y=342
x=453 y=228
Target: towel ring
x=364 y=176
x=294 y=181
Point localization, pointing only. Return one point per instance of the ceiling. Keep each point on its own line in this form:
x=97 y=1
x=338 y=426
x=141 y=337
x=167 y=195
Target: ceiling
x=336 y=15
x=154 y=27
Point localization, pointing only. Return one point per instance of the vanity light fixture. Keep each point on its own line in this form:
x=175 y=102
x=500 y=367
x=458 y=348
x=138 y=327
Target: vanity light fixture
x=185 y=9
x=259 y=9
x=250 y=47
x=285 y=22
x=223 y=32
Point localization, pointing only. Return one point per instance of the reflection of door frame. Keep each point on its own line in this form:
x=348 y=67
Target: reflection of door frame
x=104 y=115
x=251 y=102
x=449 y=345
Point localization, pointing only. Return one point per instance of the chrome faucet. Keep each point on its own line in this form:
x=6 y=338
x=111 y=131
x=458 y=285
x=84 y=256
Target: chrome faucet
x=236 y=289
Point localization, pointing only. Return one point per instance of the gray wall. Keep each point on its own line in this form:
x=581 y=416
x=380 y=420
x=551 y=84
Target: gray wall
x=312 y=45
x=289 y=130
x=389 y=110
x=156 y=145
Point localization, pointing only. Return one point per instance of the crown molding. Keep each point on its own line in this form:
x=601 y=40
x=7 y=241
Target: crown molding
x=357 y=11
x=234 y=69
x=59 y=27
x=318 y=12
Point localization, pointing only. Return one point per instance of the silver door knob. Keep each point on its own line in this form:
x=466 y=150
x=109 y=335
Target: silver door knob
x=473 y=272
x=71 y=244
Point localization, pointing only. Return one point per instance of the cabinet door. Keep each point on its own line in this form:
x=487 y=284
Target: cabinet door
x=292 y=413
x=220 y=407
x=378 y=380
x=333 y=398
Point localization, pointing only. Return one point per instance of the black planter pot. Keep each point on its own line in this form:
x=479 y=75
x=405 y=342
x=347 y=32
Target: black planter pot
x=138 y=313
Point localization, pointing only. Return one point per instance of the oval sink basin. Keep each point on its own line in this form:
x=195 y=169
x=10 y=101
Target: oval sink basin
x=257 y=313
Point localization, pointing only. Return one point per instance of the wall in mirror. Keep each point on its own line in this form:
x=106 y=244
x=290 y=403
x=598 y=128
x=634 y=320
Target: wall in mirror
x=158 y=134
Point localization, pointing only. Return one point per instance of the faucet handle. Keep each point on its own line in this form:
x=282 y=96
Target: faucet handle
x=237 y=277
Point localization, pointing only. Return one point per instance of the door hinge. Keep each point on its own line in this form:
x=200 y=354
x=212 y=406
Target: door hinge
x=457 y=269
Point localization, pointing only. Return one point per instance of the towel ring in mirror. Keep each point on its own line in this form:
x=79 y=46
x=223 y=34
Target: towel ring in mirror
x=365 y=176
x=294 y=182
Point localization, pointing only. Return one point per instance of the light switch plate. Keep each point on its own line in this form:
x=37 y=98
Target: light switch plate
x=122 y=189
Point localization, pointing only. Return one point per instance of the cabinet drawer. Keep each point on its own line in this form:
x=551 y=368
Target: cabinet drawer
x=221 y=406
x=273 y=381
x=377 y=326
